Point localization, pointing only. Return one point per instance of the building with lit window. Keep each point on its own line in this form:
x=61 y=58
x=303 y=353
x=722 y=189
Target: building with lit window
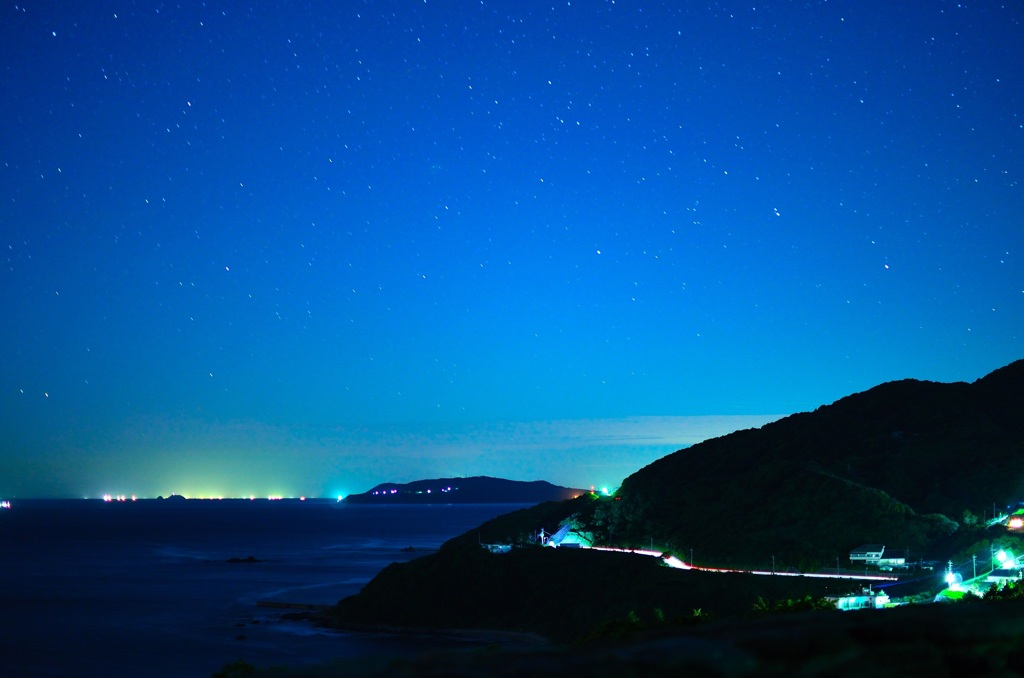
x=868 y=554
x=867 y=600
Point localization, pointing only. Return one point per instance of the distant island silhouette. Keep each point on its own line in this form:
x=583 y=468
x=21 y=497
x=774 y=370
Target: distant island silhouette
x=472 y=490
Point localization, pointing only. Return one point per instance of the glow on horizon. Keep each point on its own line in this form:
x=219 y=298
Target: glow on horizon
x=111 y=497
x=295 y=461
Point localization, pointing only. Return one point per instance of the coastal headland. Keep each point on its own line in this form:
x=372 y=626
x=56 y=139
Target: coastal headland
x=797 y=495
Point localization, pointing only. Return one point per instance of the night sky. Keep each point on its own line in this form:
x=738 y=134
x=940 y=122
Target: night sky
x=306 y=247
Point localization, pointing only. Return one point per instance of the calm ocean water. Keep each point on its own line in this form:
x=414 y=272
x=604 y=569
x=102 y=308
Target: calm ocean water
x=89 y=588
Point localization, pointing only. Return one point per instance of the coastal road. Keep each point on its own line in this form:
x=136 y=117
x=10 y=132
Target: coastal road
x=674 y=562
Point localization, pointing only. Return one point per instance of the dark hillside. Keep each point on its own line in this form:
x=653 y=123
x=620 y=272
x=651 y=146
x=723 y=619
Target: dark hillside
x=867 y=468
x=562 y=594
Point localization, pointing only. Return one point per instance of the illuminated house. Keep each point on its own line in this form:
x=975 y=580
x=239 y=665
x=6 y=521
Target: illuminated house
x=1004 y=575
x=556 y=538
x=869 y=554
x=868 y=600
x=566 y=537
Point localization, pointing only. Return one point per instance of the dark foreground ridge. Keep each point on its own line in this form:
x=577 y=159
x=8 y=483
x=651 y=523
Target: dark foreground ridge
x=566 y=595
x=474 y=490
x=935 y=640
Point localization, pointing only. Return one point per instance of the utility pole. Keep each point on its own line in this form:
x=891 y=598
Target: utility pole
x=773 y=563
x=691 y=557
x=974 y=562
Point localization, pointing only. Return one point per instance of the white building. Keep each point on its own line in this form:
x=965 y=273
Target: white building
x=869 y=554
x=868 y=600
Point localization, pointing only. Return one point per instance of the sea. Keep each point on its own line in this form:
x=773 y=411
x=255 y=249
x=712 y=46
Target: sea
x=125 y=588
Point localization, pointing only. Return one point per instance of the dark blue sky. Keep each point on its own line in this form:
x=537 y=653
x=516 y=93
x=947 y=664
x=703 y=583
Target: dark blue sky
x=308 y=247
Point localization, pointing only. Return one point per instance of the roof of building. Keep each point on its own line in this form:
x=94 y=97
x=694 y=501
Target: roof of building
x=1005 y=574
x=557 y=537
x=868 y=548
